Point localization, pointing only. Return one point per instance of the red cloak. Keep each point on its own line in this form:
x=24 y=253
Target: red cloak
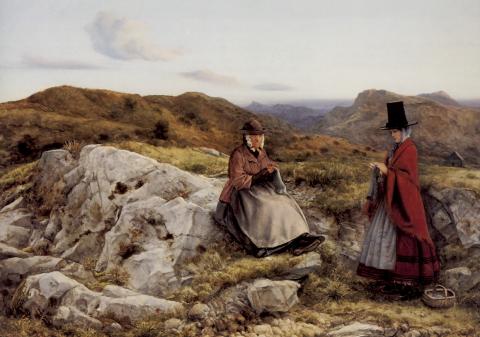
x=404 y=202
x=416 y=260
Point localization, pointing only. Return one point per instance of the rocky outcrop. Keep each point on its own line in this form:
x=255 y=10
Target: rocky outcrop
x=127 y=210
x=65 y=299
x=113 y=211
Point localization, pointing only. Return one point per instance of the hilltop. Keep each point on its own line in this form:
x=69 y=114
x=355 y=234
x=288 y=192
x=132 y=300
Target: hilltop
x=442 y=128
x=47 y=119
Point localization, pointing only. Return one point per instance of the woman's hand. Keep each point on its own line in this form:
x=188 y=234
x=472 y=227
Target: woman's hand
x=271 y=168
x=381 y=166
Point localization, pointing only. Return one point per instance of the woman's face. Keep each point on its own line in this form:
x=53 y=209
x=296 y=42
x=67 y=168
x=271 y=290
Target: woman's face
x=256 y=141
x=396 y=135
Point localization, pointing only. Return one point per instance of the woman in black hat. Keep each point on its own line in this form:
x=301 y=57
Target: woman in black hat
x=397 y=249
x=254 y=205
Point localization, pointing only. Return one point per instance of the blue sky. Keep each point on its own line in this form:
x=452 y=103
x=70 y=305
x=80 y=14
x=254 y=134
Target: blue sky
x=241 y=50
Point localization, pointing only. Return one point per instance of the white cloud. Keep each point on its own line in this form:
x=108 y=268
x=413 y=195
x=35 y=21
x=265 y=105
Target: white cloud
x=273 y=87
x=211 y=77
x=124 y=39
x=40 y=62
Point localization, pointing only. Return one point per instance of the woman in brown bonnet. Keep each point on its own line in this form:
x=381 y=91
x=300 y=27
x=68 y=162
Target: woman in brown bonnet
x=254 y=205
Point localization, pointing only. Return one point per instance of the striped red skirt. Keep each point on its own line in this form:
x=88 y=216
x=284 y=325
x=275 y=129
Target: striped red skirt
x=416 y=263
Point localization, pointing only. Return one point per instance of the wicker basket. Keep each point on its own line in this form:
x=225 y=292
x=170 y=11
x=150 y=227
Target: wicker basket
x=439 y=297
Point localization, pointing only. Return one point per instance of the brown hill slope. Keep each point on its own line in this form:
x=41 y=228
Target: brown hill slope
x=441 y=130
x=48 y=119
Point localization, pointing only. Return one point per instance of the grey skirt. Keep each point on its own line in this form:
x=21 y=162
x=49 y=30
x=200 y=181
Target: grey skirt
x=379 y=245
x=265 y=218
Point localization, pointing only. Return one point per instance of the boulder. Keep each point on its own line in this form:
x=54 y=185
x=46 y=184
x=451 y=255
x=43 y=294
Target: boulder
x=461 y=279
x=272 y=296
x=105 y=180
x=152 y=237
x=124 y=209
x=65 y=299
x=461 y=210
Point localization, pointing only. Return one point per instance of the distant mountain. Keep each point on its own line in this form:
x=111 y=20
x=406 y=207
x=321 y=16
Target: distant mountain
x=299 y=116
x=473 y=103
x=441 y=97
x=443 y=128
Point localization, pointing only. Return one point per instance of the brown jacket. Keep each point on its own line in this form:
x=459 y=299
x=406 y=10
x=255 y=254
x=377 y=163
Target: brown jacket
x=241 y=167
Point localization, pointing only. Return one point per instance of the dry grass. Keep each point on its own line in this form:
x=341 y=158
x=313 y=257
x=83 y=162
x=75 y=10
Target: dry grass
x=117 y=275
x=220 y=267
x=188 y=159
x=460 y=321
x=17 y=175
x=445 y=176
x=27 y=327
x=340 y=185
x=74 y=147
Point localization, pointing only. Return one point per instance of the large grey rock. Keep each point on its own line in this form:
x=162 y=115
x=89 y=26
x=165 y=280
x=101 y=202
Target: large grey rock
x=461 y=210
x=152 y=237
x=461 y=279
x=357 y=330
x=110 y=185
x=272 y=296
x=46 y=294
x=124 y=209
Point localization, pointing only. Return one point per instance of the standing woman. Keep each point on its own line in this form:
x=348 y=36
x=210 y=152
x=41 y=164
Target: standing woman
x=254 y=205
x=398 y=249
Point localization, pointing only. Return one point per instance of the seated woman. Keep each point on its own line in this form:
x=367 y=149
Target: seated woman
x=397 y=250
x=254 y=205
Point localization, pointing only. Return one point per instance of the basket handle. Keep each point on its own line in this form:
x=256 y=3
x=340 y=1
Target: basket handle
x=440 y=287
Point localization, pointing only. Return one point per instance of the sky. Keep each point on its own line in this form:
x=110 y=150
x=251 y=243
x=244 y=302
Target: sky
x=241 y=50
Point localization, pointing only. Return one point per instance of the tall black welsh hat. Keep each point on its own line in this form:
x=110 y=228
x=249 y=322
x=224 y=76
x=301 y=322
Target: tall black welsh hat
x=396 y=117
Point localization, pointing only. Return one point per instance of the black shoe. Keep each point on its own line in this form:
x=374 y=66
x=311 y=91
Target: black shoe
x=308 y=246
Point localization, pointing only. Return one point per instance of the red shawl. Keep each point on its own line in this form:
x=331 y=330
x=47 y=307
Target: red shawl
x=403 y=199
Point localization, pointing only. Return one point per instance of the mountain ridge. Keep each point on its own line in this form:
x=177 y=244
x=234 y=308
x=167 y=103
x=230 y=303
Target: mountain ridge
x=442 y=128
